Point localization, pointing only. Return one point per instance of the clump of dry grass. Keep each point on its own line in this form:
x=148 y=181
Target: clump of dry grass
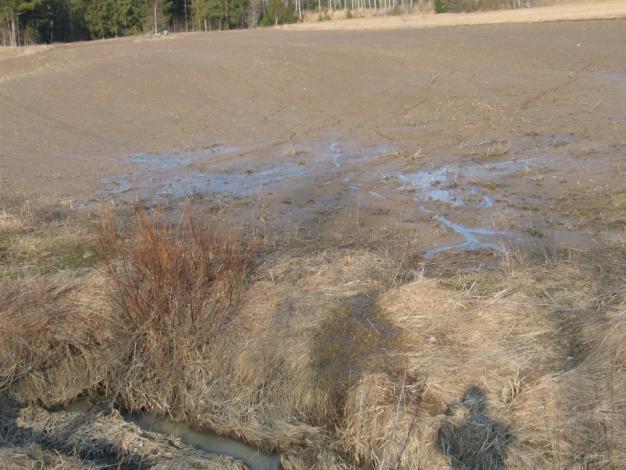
x=527 y=376
x=326 y=361
x=108 y=441
x=174 y=288
x=57 y=336
x=10 y=222
x=31 y=456
x=37 y=238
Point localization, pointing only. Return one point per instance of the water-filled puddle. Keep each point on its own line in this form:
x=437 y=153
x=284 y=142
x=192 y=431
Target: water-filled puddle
x=455 y=184
x=470 y=235
x=335 y=154
x=487 y=202
x=209 y=442
x=153 y=162
x=183 y=184
x=156 y=177
x=433 y=185
x=228 y=184
x=204 y=441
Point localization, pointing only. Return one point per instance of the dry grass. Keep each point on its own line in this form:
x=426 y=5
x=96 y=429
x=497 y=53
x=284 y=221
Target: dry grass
x=57 y=337
x=33 y=456
x=37 y=238
x=327 y=359
x=106 y=440
x=10 y=222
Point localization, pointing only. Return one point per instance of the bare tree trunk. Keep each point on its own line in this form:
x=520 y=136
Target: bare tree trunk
x=186 y=19
x=12 y=36
x=12 y=33
x=156 y=26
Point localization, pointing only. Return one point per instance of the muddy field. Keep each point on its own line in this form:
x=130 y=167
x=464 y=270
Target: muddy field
x=312 y=125
x=440 y=216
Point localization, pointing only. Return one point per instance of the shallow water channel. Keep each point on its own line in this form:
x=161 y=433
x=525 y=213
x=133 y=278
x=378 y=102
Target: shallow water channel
x=203 y=441
x=208 y=442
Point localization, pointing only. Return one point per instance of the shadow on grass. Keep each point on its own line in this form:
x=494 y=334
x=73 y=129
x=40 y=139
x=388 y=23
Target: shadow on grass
x=469 y=437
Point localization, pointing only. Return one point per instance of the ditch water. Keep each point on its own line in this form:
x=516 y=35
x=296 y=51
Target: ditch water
x=203 y=441
x=208 y=442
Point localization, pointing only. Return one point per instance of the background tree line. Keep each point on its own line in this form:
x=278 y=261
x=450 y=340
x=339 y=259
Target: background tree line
x=25 y=22
x=45 y=21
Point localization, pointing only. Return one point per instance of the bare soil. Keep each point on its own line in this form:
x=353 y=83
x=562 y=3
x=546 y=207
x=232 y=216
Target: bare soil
x=317 y=125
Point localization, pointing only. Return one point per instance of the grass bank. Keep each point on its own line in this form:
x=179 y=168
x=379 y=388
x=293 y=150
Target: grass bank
x=332 y=356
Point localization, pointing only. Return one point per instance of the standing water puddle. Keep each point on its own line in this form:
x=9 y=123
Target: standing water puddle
x=209 y=442
x=428 y=186
x=178 y=175
x=455 y=185
x=471 y=238
x=230 y=184
x=204 y=441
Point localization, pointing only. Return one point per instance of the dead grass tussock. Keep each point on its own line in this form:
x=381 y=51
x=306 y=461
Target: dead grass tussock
x=43 y=244
x=575 y=416
x=509 y=370
x=108 y=441
x=31 y=456
x=57 y=337
x=10 y=222
x=263 y=379
x=314 y=458
x=36 y=238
